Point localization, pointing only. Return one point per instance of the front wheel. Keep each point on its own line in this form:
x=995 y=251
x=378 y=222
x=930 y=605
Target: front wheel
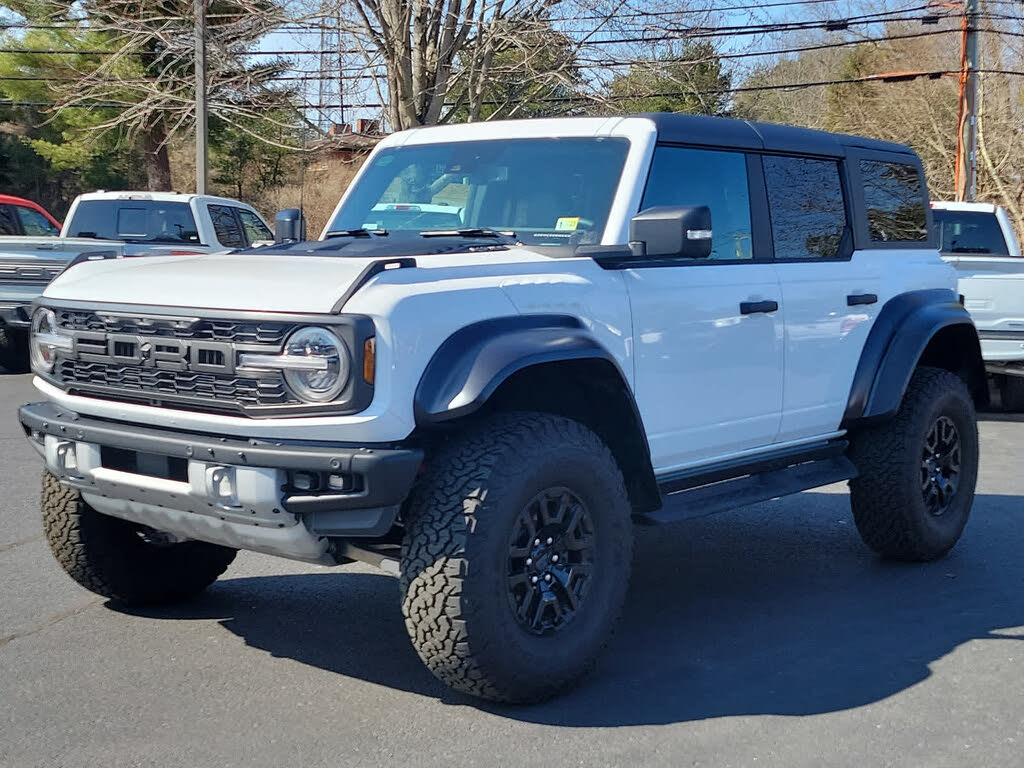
x=516 y=557
x=121 y=560
x=14 y=350
x=917 y=475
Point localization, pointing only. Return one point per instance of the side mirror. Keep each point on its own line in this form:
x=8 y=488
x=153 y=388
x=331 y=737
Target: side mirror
x=289 y=226
x=669 y=231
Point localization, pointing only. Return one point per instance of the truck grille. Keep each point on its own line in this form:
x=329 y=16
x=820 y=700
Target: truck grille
x=233 y=331
x=171 y=361
x=35 y=273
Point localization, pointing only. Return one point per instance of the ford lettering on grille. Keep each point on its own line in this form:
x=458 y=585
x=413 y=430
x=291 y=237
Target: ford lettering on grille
x=162 y=353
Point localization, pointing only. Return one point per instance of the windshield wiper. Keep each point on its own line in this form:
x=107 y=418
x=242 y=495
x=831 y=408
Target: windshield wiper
x=355 y=233
x=469 y=232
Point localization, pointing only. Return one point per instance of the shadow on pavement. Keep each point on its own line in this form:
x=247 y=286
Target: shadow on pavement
x=776 y=609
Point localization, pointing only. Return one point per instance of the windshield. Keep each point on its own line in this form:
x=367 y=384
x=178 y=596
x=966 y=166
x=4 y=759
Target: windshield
x=135 y=221
x=548 y=191
x=969 y=232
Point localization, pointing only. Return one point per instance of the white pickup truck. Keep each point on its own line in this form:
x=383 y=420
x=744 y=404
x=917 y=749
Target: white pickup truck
x=112 y=225
x=979 y=241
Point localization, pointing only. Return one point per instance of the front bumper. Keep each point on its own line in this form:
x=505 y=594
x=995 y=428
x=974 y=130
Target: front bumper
x=231 y=491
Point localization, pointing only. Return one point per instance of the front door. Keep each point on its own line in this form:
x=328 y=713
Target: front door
x=708 y=337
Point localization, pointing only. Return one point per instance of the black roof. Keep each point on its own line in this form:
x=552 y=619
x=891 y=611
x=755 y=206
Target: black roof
x=743 y=134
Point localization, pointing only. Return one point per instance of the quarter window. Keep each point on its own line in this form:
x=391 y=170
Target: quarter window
x=706 y=177
x=808 y=213
x=34 y=223
x=894 y=198
x=225 y=225
x=254 y=227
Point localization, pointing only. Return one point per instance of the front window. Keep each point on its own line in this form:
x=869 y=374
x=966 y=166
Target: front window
x=548 y=191
x=969 y=232
x=137 y=221
x=35 y=224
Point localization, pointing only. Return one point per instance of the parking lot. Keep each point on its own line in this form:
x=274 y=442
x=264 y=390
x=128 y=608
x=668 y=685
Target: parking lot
x=767 y=636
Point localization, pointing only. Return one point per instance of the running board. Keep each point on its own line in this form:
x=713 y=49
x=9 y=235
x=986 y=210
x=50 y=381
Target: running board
x=749 y=489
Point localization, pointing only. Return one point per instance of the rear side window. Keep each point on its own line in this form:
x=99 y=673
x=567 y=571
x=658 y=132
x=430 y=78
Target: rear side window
x=8 y=224
x=254 y=227
x=137 y=221
x=895 y=202
x=969 y=232
x=34 y=223
x=226 y=226
x=808 y=212
x=706 y=177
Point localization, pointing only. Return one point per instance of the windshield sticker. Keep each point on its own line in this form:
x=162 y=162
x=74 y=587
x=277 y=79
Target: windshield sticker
x=567 y=223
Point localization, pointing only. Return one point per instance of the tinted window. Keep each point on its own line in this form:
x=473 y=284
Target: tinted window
x=8 y=225
x=969 y=232
x=549 y=191
x=895 y=202
x=225 y=225
x=705 y=177
x=254 y=228
x=146 y=221
x=808 y=214
x=34 y=223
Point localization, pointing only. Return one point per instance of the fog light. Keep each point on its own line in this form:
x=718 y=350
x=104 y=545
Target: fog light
x=220 y=483
x=304 y=481
x=338 y=482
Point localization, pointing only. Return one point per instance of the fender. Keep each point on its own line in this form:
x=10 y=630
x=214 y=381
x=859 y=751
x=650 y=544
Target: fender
x=895 y=344
x=474 y=361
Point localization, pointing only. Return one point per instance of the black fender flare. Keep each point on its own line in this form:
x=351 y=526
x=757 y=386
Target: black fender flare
x=474 y=361
x=905 y=326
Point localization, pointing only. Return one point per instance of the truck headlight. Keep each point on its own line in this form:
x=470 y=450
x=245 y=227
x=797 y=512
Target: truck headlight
x=46 y=339
x=318 y=364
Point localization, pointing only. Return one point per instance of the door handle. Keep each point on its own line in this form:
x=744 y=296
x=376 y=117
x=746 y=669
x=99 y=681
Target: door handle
x=755 y=307
x=855 y=299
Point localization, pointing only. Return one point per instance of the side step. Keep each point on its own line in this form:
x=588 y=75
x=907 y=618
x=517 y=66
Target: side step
x=749 y=489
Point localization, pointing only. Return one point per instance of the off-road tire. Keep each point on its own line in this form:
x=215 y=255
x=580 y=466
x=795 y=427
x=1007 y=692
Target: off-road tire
x=889 y=506
x=110 y=556
x=1011 y=393
x=14 y=350
x=456 y=563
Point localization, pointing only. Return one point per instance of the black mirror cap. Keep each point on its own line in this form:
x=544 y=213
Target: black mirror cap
x=289 y=226
x=670 y=231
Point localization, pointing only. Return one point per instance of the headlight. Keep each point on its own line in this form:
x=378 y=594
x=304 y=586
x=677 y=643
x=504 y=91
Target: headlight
x=46 y=340
x=317 y=364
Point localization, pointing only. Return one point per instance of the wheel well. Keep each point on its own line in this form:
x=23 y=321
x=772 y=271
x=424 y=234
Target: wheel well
x=956 y=349
x=592 y=392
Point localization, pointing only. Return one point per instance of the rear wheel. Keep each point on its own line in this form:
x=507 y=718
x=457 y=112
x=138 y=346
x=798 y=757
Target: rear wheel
x=14 y=350
x=918 y=470
x=516 y=557
x=121 y=560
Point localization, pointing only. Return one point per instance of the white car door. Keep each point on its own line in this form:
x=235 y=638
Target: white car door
x=708 y=339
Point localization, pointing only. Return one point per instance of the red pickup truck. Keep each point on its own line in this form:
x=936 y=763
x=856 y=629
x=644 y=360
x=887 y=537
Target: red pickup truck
x=19 y=216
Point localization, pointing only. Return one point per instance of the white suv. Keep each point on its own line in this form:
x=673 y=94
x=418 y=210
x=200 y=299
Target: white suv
x=512 y=341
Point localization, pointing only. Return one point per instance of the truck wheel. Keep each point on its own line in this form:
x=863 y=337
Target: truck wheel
x=1012 y=393
x=918 y=470
x=516 y=557
x=14 y=350
x=121 y=560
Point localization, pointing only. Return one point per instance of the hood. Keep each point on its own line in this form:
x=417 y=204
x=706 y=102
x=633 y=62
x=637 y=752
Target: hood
x=234 y=281
x=248 y=280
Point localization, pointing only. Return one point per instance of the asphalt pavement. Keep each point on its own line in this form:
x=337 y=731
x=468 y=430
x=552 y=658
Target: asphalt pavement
x=768 y=636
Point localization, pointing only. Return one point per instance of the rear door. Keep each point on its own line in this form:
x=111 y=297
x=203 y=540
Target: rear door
x=835 y=279
x=708 y=346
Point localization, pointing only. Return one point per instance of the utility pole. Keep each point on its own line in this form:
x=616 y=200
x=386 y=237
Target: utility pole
x=967 y=140
x=201 y=117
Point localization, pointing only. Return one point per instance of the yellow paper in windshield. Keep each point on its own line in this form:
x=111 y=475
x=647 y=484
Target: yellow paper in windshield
x=567 y=223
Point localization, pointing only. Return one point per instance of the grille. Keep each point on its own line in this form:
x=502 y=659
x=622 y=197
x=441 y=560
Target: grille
x=198 y=391
x=38 y=274
x=234 y=331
